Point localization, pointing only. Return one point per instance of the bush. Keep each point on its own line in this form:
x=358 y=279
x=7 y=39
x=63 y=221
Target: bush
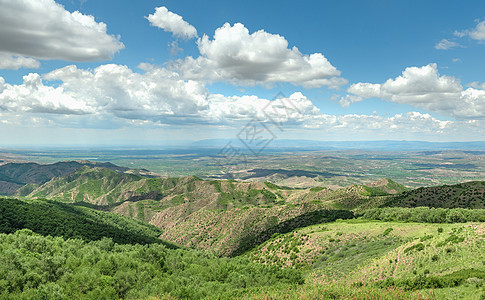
x=387 y=231
x=432 y=282
x=417 y=247
x=33 y=266
x=425 y=214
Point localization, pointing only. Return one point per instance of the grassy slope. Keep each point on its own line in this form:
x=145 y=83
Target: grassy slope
x=365 y=252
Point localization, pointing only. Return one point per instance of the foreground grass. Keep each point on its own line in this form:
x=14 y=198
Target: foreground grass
x=332 y=291
x=446 y=261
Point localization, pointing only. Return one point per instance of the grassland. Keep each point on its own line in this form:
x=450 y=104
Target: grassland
x=438 y=260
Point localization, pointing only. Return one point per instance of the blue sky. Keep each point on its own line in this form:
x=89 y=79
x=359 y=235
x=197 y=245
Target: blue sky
x=160 y=72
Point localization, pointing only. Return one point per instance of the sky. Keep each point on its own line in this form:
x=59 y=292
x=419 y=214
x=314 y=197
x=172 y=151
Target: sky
x=84 y=72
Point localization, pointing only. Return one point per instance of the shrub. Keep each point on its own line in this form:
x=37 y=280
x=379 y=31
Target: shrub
x=417 y=247
x=387 y=231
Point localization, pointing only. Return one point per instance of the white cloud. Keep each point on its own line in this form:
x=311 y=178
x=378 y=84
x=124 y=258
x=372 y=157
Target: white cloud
x=43 y=29
x=445 y=44
x=423 y=87
x=14 y=62
x=349 y=99
x=477 y=33
x=113 y=96
x=158 y=94
x=476 y=85
x=236 y=56
x=414 y=122
x=33 y=96
x=171 y=22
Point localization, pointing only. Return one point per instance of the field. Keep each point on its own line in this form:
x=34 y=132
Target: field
x=329 y=168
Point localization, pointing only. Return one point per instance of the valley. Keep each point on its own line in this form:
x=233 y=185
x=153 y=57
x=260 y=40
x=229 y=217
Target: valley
x=410 y=165
x=382 y=238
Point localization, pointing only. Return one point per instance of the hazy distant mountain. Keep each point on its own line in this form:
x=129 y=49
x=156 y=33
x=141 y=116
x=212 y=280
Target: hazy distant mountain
x=15 y=175
x=281 y=144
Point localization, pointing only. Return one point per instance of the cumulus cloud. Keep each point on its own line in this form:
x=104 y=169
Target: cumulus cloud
x=445 y=44
x=349 y=99
x=114 y=96
x=477 y=33
x=160 y=95
x=171 y=22
x=236 y=56
x=156 y=94
x=15 y=62
x=33 y=96
x=415 y=122
x=425 y=88
x=43 y=29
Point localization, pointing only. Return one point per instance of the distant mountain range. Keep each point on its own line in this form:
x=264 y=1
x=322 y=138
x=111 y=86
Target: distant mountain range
x=16 y=175
x=226 y=216
x=279 y=144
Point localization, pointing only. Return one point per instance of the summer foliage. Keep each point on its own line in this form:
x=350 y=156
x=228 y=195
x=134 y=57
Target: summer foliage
x=247 y=240
x=37 y=267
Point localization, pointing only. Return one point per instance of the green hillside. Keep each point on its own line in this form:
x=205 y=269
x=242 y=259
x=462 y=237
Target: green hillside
x=58 y=219
x=224 y=216
x=353 y=259
x=37 y=267
x=444 y=260
x=363 y=241
x=93 y=185
x=464 y=195
x=227 y=217
x=16 y=175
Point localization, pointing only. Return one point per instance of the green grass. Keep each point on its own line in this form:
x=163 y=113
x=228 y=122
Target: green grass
x=410 y=256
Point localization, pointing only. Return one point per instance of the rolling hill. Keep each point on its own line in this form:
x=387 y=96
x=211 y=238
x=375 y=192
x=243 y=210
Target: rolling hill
x=69 y=221
x=16 y=175
x=226 y=216
x=436 y=261
x=361 y=241
x=463 y=195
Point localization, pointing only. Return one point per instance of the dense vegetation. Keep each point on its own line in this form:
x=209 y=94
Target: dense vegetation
x=376 y=238
x=37 y=267
x=314 y=217
x=58 y=219
x=435 y=282
x=425 y=215
x=463 y=195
